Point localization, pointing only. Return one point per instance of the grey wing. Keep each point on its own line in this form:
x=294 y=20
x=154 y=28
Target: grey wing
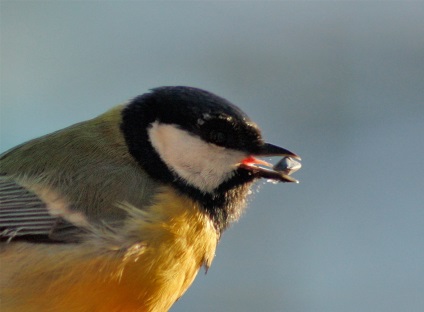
x=24 y=216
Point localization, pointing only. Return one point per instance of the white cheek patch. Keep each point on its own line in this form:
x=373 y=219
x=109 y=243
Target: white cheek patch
x=201 y=164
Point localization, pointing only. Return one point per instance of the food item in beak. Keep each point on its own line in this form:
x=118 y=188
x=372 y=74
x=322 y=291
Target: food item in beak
x=287 y=165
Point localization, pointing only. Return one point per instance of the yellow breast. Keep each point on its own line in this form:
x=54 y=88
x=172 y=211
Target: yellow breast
x=165 y=247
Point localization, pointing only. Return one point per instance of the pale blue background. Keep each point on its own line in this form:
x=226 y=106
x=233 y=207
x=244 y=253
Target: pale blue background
x=340 y=83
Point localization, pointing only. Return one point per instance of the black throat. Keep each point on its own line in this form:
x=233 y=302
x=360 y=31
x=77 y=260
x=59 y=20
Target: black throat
x=224 y=205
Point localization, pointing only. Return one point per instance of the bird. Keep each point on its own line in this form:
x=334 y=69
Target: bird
x=120 y=212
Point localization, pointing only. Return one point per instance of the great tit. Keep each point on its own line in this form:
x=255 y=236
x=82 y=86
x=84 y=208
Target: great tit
x=119 y=213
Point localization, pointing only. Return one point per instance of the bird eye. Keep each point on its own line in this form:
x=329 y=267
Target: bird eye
x=217 y=137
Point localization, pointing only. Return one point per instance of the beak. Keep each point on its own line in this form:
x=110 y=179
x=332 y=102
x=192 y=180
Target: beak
x=280 y=172
x=269 y=149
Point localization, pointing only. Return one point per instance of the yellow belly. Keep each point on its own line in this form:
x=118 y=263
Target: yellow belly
x=166 y=246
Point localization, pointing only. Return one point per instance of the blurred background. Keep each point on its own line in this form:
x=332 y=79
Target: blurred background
x=339 y=83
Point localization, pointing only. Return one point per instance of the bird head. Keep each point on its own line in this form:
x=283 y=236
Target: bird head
x=202 y=145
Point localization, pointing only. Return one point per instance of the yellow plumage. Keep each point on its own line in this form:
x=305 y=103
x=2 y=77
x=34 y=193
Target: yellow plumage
x=170 y=242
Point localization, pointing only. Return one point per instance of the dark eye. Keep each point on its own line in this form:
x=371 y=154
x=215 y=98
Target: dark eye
x=217 y=137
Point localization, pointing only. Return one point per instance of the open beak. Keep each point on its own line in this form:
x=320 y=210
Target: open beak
x=280 y=172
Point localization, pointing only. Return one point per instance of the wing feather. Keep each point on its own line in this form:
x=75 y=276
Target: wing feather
x=23 y=215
